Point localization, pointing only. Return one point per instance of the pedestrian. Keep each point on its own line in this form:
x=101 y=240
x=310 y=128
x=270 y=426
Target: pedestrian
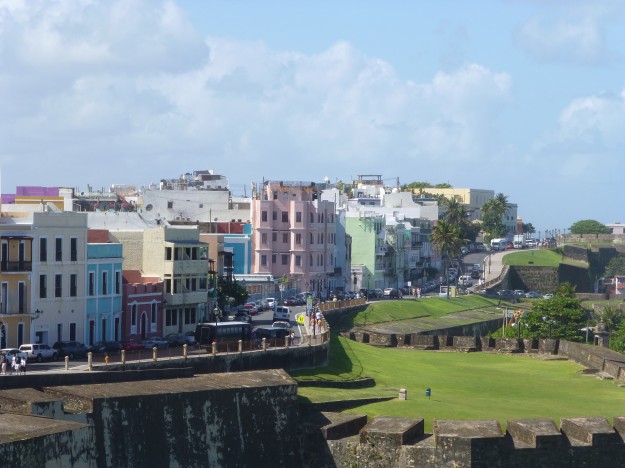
x=319 y=320
x=3 y=364
x=418 y=292
x=23 y=365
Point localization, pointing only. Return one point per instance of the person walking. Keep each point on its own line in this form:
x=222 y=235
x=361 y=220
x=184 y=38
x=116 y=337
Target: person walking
x=23 y=365
x=3 y=364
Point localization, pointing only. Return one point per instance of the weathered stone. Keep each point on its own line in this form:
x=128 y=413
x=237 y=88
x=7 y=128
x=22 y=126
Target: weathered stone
x=535 y=433
x=391 y=431
x=595 y=431
x=342 y=425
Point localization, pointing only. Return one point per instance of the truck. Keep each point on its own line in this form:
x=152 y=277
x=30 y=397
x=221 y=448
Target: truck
x=498 y=245
x=519 y=241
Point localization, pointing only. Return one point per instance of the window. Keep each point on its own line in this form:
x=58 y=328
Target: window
x=298 y=238
x=133 y=315
x=312 y=218
x=118 y=282
x=311 y=238
x=43 y=280
x=171 y=317
x=263 y=216
x=73 y=285
x=59 y=249
x=298 y=260
x=170 y=205
x=310 y=263
x=73 y=249
x=153 y=313
x=298 y=217
x=105 y=288
x=274 y=216
x=91 y=283
x=263 y=238
x=58 y=285
x=43 y=249
x=167 y=253
x=275 y=195
x=285 y=237
x=273 y=258
x=263 y=260
x=285 y=259
x=285 y=216
x=274 y=237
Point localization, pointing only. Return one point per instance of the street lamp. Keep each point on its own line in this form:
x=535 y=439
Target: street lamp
x=549 y=323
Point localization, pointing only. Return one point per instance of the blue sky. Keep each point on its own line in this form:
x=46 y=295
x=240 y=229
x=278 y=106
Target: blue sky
x=522 y=97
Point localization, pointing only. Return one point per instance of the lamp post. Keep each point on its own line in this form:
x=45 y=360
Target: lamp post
x=355 y=281
x=34 y=316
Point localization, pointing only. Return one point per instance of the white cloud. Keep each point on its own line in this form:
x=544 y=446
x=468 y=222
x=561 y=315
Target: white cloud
x=129 y=88
x=573 y=32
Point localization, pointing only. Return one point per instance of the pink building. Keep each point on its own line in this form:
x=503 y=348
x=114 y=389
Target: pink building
x=294 y=235
x=143 y=306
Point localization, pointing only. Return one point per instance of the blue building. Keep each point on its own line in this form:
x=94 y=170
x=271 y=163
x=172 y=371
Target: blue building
x=103 y=288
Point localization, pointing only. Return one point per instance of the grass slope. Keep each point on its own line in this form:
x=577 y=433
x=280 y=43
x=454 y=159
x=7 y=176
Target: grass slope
x=540 y=258
x=470 y=386
x=397 y=310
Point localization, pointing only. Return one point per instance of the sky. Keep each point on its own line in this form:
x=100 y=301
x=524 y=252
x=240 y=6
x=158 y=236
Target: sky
x=523 y=97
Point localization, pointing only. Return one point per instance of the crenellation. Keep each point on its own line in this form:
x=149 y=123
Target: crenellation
x=535 y=433
x=594 y=431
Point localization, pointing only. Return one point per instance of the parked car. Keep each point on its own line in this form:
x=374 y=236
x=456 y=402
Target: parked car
x=10 y=353
x=532 y=295
x=242 y=315
x=72 y=349
x=190 y=337
x=392 y=293
x=176 y=339
x=155 y=342
x=105 y=347
x=281 y=324
x=271 y=333
x=547 y=296
x=39 y=352
x=475 y=274
x=132 y=345
x=252 y=309
x=519 y=293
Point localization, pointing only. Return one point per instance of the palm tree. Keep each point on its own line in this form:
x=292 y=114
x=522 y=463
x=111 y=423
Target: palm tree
x=446 y=239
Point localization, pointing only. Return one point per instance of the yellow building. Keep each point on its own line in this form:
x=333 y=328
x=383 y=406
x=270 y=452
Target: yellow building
x=15 y=284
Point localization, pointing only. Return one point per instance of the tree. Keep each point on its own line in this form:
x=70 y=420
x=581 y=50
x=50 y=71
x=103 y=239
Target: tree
x=561 y=316
x=589 y=226
x=492 y=217
x=566 y=289
x=528 y=228
x=615 y=267
x=609 y=314
x=446 y=239
x=230 y=289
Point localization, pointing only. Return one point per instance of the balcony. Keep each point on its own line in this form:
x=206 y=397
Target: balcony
x=8 y=267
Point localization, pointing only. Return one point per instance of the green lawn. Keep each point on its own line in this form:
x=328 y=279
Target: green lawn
x=541 y=258
x=397 y=310
x=465 y=385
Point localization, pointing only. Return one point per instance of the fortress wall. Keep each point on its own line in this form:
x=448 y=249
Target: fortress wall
x=401 y=442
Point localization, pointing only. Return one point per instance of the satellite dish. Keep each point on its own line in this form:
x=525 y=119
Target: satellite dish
x=149 y=207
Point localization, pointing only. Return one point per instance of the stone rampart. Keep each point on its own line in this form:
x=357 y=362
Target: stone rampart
x=402 y=442
x=207 y=420
x=594 y=357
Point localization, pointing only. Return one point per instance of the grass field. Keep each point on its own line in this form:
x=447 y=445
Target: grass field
x=540 y=258
x=469 y=386
x=397 y=310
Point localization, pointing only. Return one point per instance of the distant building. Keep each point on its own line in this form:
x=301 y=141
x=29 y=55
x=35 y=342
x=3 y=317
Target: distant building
x=294 y=235
x=616 y=228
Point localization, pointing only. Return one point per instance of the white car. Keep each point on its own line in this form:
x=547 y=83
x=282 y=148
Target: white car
x=39 y=352
x=281 y=324
x=547 y=296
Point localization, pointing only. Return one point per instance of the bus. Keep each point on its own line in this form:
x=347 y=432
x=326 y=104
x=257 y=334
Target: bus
x=222 y=332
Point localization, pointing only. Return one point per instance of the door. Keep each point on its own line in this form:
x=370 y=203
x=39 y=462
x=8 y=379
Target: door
x=143 y=326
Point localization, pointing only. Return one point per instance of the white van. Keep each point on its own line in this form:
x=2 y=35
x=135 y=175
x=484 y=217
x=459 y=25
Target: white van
x=282 y=313
x=498 y=245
